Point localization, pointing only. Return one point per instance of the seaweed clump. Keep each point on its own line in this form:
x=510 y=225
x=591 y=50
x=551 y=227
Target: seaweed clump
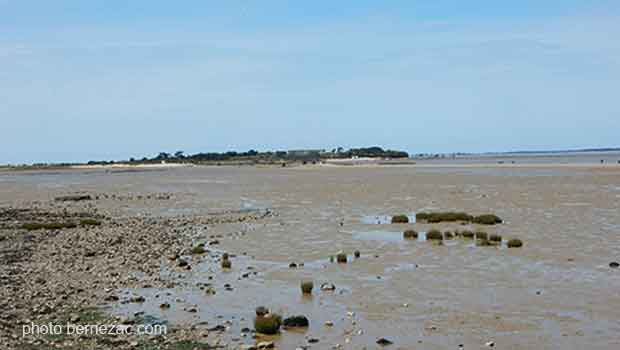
x=198 y=249
x=495 y=238
x=482 y=235
x=483 y=242
x=468 y=234
x=448 y=216
x=74 y=198
x=296 y=321
x=261 y=311
x=306 y=287
x=90 y=222
x=226 y=263
x=487 y=219
x=48 y=226
x=452 y=216
x=400 y=219
x=410 y=234
x=434 y=235
x=515 y=243
x=268 y=324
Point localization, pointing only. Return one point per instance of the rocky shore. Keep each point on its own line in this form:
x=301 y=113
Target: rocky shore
x=66 y=275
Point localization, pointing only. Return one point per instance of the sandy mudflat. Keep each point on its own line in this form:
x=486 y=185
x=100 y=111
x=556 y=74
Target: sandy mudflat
x=556 y=292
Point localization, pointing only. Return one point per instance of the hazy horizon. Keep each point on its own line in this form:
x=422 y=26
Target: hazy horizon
x=413 y=154
x=109 y=80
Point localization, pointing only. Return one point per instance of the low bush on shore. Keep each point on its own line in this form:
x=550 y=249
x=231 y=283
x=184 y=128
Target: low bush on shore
x=495 y=238
x=400 y=219
x=341 y=258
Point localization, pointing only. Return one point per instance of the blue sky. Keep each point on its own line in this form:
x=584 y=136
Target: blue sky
x=83 y=80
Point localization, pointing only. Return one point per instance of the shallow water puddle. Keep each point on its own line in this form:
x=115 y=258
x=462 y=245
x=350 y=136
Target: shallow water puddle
x=190 y=301
x=576 y=204
x=402 y=267
x=383 y=219
x=378 y=235
x=250 y=205
x=421 y=236
x=386 y=236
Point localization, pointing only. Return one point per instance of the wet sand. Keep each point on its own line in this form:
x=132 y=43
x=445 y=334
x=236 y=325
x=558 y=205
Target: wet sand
x=556 y=292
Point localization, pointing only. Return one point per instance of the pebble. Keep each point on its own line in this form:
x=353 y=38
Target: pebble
x=296 y=321
x=218 y=328
x=261 y=311
x=328 y=286
x=136 y=299
x=384 y=342
x=265 y=345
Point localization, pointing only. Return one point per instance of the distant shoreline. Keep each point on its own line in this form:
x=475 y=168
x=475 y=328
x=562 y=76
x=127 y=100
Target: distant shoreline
x=353 y=164
x=582 y=150
x=608 y=155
